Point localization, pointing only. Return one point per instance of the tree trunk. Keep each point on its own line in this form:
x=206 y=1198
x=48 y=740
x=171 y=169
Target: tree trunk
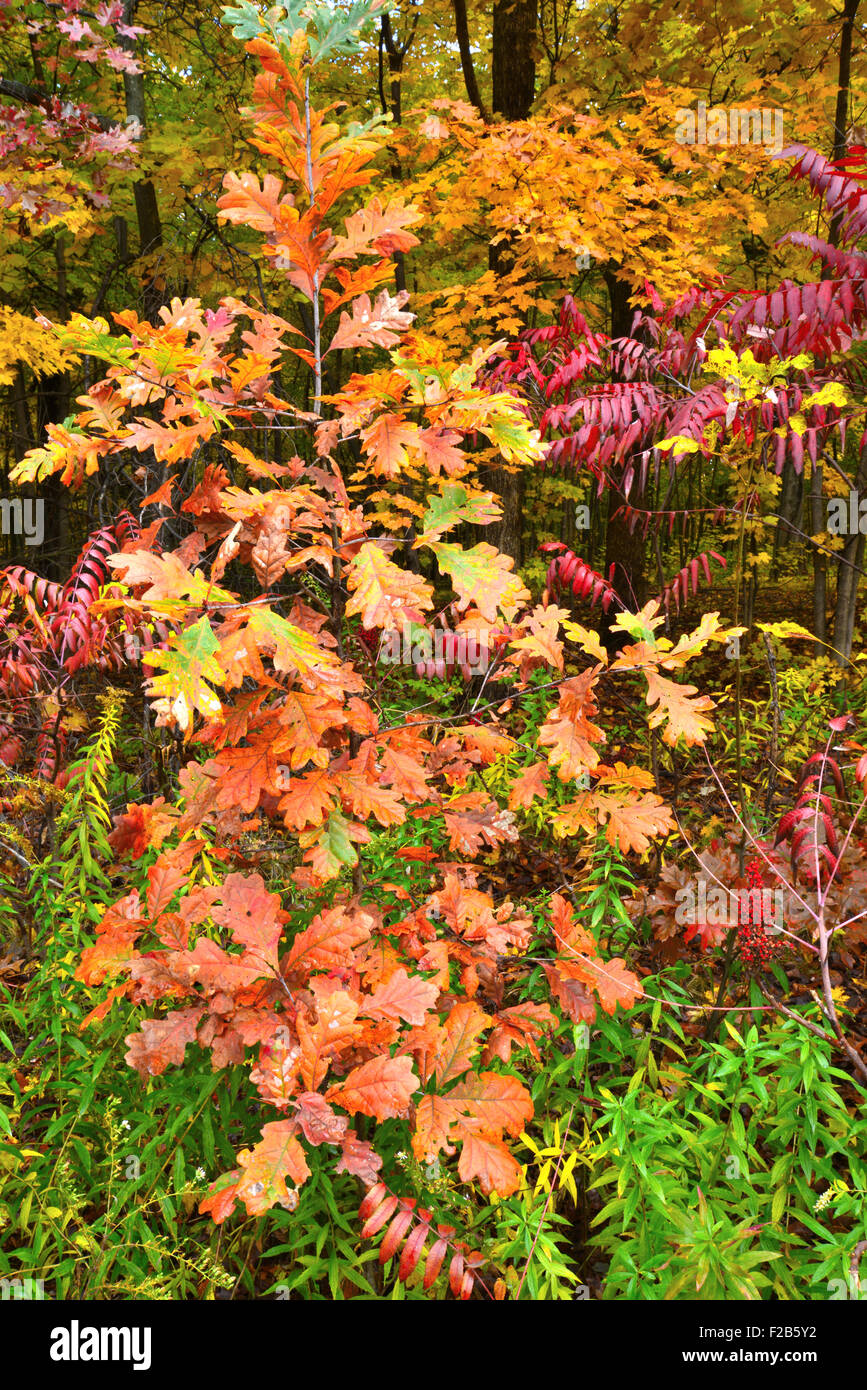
x=513 y=67
x=788 y=512
x=624 y=549
x=820 y=563
x=817 y=509
x=150 y=232
x=841 y=112
x=513 y=71
x=462 y=32
x=396 y=54
x=849 y=564
x=52 y=407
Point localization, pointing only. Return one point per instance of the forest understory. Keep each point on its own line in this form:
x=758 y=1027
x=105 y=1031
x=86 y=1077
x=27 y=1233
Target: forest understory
x=433 y=702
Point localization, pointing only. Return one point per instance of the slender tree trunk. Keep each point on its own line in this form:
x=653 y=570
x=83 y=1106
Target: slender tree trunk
x=462 y=31
x=841 y=113
x=820 y=562
x=22 y=431
x=513 y=72
x=396 y=53
x=849 y=562
x=787 y=512
x=849 y=565
x=624 y=549
x=150 y=230
x=52 y=407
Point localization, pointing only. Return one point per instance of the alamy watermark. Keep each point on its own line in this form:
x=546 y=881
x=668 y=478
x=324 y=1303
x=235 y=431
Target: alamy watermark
x=847 y=516
x=77 y=1343
x=722 y=907
x=23 y=517
x=416 y=646
x=730 y=126
x=29 y=1290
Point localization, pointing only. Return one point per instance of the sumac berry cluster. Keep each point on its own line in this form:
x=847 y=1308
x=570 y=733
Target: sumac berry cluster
x=756 y=947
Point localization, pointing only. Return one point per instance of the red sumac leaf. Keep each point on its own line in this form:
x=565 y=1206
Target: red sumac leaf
x=434 y=1262
x=412 y=1250
x=383 y=1213
x=456 y=1273
x=372 y=1200
x=395 y=1233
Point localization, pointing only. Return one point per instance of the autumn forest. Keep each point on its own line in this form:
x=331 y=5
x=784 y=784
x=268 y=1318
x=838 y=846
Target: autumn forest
x=433 y=655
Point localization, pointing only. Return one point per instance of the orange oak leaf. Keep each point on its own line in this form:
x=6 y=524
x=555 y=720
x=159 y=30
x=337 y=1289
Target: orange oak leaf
x=246 y=203
x=244 y=773
x=473 y=820
x=576 y=817
x=377 y=230
x=165 y=576
x=623 y=775
x=440 y=454
x=405 y=774
x=209 y=965
x=402 y=996
x=329 y=940
x=253 y=916
x=382 y=1088
x=318 y=1122
x=142 y=827
x=162 y=1041
x=540 y=644
x=358 y=1157
x=306 y=717
x=634 y=820
x=615 y=984
x=386 y=597
x=261 y=1182
x=309 y=800
x=385 y=443
x=494 y=1102
x=489 y=1160
x=569 y=934
x=518 y=1026
x=333 y=1031
x=111 y=954
x=164 y=880
x=569 y=732
x=460 y=1044
x=275 y=1076
x=528 y=785
x=679 y=707
x=573 y=996
x=482 y=577
x=380 y=326
x=434 y=1117
x=115 y=993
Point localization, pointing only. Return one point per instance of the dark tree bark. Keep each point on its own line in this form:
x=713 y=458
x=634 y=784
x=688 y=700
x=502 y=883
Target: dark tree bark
x=788 y=512
x=841 y=112
x=513 y=72
x=150 y=231
x=513 y=66
x=820 y=561
x=462 y=30
x=624 y=550
x=52 y=407
x=396 y=53
x=849 y=561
